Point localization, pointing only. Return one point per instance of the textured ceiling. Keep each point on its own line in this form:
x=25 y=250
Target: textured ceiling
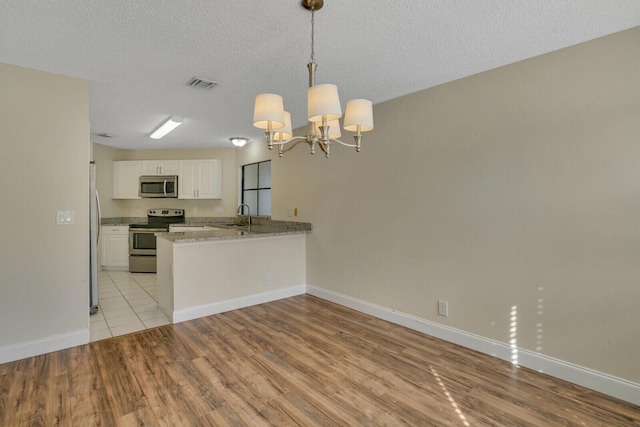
x=138 y=55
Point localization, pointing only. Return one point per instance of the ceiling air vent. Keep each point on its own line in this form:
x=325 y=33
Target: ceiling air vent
x=201 y=83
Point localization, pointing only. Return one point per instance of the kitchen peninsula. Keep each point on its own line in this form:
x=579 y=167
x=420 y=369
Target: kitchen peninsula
x=226 y=267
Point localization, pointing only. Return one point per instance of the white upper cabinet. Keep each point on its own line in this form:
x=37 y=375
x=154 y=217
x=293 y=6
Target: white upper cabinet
x=200 y=179
x=160 y=167
x=197 y=179
x=126 y=175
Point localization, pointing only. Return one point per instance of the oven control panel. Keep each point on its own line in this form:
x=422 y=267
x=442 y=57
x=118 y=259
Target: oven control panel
x=165 y=212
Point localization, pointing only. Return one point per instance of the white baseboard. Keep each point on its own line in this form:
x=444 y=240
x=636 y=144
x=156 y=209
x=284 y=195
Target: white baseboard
x=235 y=303
x=48 y=344
x=594 y=380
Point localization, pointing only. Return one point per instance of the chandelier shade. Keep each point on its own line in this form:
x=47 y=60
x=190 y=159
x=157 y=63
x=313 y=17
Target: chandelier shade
x=268 y=112
x=323 y=103
x=359 y=113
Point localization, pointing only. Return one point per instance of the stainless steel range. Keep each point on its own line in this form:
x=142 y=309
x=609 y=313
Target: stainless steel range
x=142 y=239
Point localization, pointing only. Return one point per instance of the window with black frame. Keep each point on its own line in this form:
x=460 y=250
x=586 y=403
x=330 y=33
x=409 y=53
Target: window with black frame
x=256 y=188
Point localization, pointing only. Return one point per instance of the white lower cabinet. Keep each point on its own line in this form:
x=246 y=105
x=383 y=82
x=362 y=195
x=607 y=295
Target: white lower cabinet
x=114 y=247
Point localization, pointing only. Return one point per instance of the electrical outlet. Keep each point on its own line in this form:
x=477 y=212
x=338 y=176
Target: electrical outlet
x=290 y=212
x=267 y=279
x=443 y=308
x=295 y=211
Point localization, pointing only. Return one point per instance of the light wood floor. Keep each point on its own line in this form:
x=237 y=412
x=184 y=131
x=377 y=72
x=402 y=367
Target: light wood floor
x=299 y=361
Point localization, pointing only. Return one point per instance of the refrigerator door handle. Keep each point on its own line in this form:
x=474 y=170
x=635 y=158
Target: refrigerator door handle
x=99 y=217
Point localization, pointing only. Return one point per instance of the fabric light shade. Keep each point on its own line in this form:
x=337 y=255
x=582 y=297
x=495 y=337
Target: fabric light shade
x=359 y=112
x=268 y=111
x=285 y=132
x=323 y=101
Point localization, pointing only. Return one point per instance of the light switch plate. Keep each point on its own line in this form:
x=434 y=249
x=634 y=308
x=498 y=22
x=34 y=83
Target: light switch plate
x=65 y=217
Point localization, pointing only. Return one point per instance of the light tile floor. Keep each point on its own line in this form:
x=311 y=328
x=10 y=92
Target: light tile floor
x=127 y=302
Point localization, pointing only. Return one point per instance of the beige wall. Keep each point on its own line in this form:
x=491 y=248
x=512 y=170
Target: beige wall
x=518 y=188
x=44 y=267
x=215 y=272
x=226 y=207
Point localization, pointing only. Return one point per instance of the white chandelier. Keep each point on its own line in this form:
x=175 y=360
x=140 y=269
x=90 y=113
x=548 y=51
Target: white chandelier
x=323 y=111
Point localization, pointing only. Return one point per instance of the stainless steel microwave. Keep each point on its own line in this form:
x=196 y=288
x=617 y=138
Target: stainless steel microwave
x=160 y=186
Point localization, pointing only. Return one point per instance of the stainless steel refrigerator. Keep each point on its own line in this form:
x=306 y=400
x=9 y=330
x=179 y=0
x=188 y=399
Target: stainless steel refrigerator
x=94 y=237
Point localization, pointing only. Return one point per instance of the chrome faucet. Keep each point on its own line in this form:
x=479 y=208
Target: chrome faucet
x=240 y=210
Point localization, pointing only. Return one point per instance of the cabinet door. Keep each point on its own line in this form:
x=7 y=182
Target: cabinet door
x=126 y=176
x=187 y=179
x=169 y=167
x=149 y=167
x=115 y=250
x=210 y=179
x=159 y=167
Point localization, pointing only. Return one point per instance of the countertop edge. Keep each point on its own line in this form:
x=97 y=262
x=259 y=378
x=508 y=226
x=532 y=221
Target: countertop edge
x=187 y=237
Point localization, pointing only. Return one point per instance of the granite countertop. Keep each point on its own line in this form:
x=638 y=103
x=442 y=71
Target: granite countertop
x=261 y=227
x=230 y=233
x=123 y=220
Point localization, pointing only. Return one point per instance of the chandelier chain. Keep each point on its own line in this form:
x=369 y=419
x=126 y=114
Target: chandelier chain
x=313 y=33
